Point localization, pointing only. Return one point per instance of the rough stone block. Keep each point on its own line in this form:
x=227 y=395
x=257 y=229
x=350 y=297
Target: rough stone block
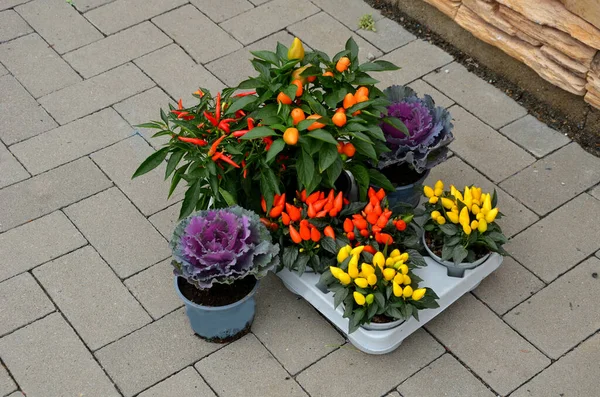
x=349 y=12
x=154 y=289
x=21 y=116
x=185 y=383
x=486 y=345
x=535 y=136
x=555 y=179
x=154 y=352
x=71 y=141
x=23 y=301
x=273 y=16
x=124 y=238
x=59 y=24
x=490 y=152
x=91 y=95
x=117 y=49
x=233 y=362
x=92 y=298
x=186 y=25
x=37 y=242
x=12 y=25
x=12 y=171
x=50 y=191
x=53 y=362
x=287 y=327
x=220 y=11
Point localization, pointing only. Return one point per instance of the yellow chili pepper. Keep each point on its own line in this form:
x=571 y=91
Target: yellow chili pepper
x=466 y=229
x=357 y=250
x=452 y=216
x=353 y=267
x=439 y=185
x=397 y=289
x=474 y=225
x=428 y=192
x=490 y=216
x=345 y=278
x=378 y=259
x=398 y=278
x=404 y=257
x=389 y=262
x=407 y=280
x=433 y=200
x=359 y=298
x=441 y=220
x=438 y=192
x=372 y=279
x=418 y=294
x=403 y=269
x=487 y=203
x=361 y=282
x=343 y=253
x=296 y=50
x=463 y=218
x=475 y=209
x=408 y=291
x=336 y=271
x=369 y=299
x=456 y=193
x=447 y=203
x=468 y=198
x=435 y=214
x=389 y=274
x=395 y=253
x=367 y=269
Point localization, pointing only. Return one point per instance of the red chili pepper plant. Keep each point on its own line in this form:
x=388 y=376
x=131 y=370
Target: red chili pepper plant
x=307 y=118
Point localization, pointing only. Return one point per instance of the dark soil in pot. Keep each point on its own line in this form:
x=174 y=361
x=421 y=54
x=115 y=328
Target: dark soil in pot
x=401 y=174
x=436 y=247
x=218 y=294
x=382 y=319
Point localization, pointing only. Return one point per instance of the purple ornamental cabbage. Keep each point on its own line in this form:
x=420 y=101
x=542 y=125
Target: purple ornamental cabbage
x=429 y=127
x=222 y=246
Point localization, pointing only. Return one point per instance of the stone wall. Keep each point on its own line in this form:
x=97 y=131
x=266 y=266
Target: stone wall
x=559 y=39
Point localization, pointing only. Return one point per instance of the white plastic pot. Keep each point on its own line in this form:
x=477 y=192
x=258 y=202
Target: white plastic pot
x=454 y=270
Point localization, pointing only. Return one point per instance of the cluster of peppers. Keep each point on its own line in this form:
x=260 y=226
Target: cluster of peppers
x=372 y=221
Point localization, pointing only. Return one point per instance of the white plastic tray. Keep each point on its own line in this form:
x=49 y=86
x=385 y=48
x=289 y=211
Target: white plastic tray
x=449 y=289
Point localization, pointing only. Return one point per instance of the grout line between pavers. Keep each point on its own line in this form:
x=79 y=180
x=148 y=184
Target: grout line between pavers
x=81 y=12
x=395 y=388
x=10 y=375
x=32 y=321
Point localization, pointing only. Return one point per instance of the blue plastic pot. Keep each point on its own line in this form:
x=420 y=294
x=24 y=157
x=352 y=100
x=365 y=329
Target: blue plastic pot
x=221 y=323
x=409 y=194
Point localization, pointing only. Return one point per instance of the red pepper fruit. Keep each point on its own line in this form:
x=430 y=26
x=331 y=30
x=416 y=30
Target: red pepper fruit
x=348 y=225
x=276 y=211
x=328 y=231
x=364 y=233
x=328 y=206
x=304 y=232
x=285 y=218
x=239 y=114
x=321 y=214
x=280 y=201
x=319 y=204
x=384 y=238
x=350 y=236
x=321 y=195
x=346 y=201
x=218 y=109
x=245 y=169
x=337 y=202
x=295 y=236
x=382 y=221
x=240 y=133
x=400 y=225
x=360 y=223
x=311 y=212
x=268 y=141
x=370 y=249
x=333 y=213
x=371 y=192
x=194 y=141
x=228 y=160
x=372 y=218
x=375 y=229
x=377 y=210
x=250 y=122
x=293 y=212
x=213 y=147
x=369 y=208
x=245 y=94
x=263 y=204
x=211 y=118
x=303 y=196
x=315 y=235
x=265 y=222
x=374 y=200
x=380 y=194
x=312 y=198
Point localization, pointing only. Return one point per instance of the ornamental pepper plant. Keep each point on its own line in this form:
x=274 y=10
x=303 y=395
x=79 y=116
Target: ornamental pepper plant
x=377 y=288
x=462 y=225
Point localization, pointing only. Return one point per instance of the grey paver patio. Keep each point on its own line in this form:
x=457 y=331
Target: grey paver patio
x=88 y=305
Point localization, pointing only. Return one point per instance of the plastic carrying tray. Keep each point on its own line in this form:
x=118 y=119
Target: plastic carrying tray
x=434 y=276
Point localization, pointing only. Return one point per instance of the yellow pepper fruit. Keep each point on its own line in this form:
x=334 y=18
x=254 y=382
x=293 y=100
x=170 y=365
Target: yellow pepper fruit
x=468 y=198
x=353 y=267
x=482 y=227
x=389 y=262
x=367 y=269
x=395 y=253
x=487 y=203
x=447 y=203
x=372 y=279
x=296 y=50
x=452 y=216
x=408 y=291
x=357 y=250
x=456 y=193
x=359 y=298
x=389 y=274
x=438 y=192
x=361 y=282
x=398 y=278
x=490 y=216
x=397 y=289
x=343 y=253
x=403 y=269
x=335 y=271
x=467 y=229
x=345 y=278
x=407 y=280
x=433 y=200
x=404 y=257
x=476 y=193
x=474 y=225
x=418 y=294
x=441 y=220
x=369 y=299
x=439 y=185
x=435 y=214
x=379 y=259
x=463 y=218
x=428 y=192
x=475 y=209
x=480 y=216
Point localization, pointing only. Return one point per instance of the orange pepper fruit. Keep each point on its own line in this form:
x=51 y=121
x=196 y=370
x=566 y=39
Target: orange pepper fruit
x=350 y=236
x=364 y=233
x=328 y=74
x=283 y=98
x=348 y=225
x=349 y=101
x=349 y=149
x=300 y=89
x=329 y=232
x=290 y=136
x=315 y=235
x=342 y=64
x=304 y=232
x=296 y=238
x=285 y=218
x=315 y=125
x=362 y=91
x=297 y=115
x=293 y=212
x=400 y=225
x=311 y=212
x=370 y=249
x=339 y=119
x=340 y=147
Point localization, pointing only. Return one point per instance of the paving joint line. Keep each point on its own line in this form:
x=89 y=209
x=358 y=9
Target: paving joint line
x=10 y=375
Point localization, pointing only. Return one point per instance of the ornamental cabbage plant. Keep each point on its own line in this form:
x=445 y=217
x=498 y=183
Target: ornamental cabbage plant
x=222 y=246
x=423 y=144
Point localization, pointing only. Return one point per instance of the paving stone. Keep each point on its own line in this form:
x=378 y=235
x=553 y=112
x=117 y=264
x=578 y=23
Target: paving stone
x=39 y=68
x=6 y=383
x=342 y=373
x=59 y=24
x=508 y=286
x=21 y=116
x=552 y=181
x=393 y=394
x=456 y=172
x=186 y=25
x=5 y=4
x=232 y=362
x=86 y=5
x=479 y=97
x=490 y=152
x=166 y=220
x=564 y=313
x=23 y=301
x=535 y=136
x=154 y=289
x=149 y=191
x=326 y=34
x=287 y=327
x=117 y=49
x=185 y=383
x=122 y=14
x=422 y=88
x=57 y=362
x=415 y=59
x=37 y=242
x=3 y=70
x=71 y=141
x=575 y=374
x=16 y=394
x=153 y=353
x=100 y=91
x=219 y=11
x=171 y=61
x=258 y=2
x=596 y=192
x=101 y=312
x=388 y=36
x=444 y=377
x=486 y=345
x=349 y=12
x=571 y=227
x=121 y=235
x=12 y=171
x=268 y=18
x=50 y=191
x=236 y=67
x=12 y=25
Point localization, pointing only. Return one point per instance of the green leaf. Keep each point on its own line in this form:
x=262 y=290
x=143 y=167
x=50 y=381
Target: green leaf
x=241 y=103
x=301 y=263
x=362 y=137
x=275 y=149
x=258 y=132
x=380 y=299
x=362 y=179
x=380 y=180
x=282 y=51
x=352 y=47
x=290 y=91
x=327 y=156
x=154 y=125
x=334 y=171
x=329 y=245
x=322 y=135
x=153 y=161
x=357 y=316
x=416 y=258
x=448 y=229
x=268 y=56
x=227 y=197
x=452 y=241
x=261 y=67
x=190 y=199
x=490 y=243
x=459 y=253
x=376 y=132
x=335 y=97
x=393 y=313
x=305 y=168
x=174 y=159
x=447 y=252
x=290 y=254
x=397 y=124
x=365 y=148
x=377 y=66
x=497 y=237
x=339 y=297
x=250 y=83
x=364 y=79
x=304 y=124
